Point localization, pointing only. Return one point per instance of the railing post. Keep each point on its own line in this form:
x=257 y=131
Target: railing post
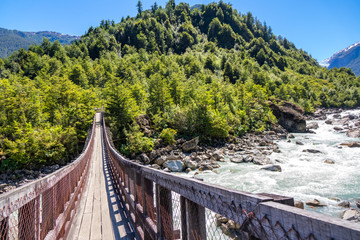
x=164 y=217
x=193 y=223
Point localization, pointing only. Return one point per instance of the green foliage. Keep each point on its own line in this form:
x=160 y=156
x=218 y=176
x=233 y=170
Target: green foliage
x=208 y=72
x=136 y=142
x=168 y=135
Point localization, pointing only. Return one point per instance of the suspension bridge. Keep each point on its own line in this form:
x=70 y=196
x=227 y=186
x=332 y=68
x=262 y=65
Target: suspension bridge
x=102 y=195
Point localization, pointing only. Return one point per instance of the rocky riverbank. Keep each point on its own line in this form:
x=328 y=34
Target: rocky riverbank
x=13 y=179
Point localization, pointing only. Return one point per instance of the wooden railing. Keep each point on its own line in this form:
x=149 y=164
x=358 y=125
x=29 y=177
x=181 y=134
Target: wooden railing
x=165 y=206
x=44 y=209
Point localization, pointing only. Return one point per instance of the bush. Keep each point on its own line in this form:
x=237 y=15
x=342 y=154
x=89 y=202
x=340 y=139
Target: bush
x=168 y=135
x=136 y=142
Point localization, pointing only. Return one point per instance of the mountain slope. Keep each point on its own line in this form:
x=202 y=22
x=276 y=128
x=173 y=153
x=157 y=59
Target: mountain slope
x=348 y=58
x=12 y=40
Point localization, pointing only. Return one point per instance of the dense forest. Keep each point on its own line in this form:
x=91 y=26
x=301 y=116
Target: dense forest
x=209 y=71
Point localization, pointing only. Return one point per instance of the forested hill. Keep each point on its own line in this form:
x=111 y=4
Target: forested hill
x=12 y=40
x=208 y=72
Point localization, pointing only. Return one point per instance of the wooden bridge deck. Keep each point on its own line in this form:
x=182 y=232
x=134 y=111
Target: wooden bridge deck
x=100 y=214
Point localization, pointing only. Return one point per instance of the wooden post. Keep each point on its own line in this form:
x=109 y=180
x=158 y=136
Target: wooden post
x=193 y=223
x=164 y=218
x=183 y=218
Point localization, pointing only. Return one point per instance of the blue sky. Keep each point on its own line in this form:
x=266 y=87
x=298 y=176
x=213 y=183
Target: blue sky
x=320 y=27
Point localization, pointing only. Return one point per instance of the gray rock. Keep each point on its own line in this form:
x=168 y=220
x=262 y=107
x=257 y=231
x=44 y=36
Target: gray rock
x=353 y=133
x=156 y=166
x=312 y=125
x=160 y=160
x=345 y=204
x=248 y=158
x=273 y=168
x=329 y=161
x=290 y=115
x=351 y=215
x=358 y=204
x=218 y=156
x=190 y=164
x=315 y=203
x=336 y=128
x=190 y=145
x=261 y=160
x=351 y=144
x=329 y=121
x=312 y=151
x=172 y=157
x=299 y=143
x=144 y=158
x=290 y=136
x=299 y=204
x=175 y=165
x=237 y=159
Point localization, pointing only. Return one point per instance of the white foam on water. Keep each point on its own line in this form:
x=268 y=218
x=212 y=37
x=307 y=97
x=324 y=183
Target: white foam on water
x=304 y=175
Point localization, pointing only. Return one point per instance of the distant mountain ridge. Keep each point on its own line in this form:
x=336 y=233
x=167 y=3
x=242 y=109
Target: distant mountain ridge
x=348 y=57
x=12 y=40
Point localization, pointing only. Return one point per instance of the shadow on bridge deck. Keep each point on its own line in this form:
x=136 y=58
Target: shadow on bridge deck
x=101 y=214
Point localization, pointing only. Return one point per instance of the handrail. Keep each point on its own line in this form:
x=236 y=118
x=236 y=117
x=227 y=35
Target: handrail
x=43 y=209
x=150 y=197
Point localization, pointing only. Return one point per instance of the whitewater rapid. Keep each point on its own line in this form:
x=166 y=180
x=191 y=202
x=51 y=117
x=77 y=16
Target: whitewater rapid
x=304 y=175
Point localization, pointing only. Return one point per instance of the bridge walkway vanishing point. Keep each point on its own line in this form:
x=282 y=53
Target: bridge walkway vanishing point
x=100 y=214
x=102 y=195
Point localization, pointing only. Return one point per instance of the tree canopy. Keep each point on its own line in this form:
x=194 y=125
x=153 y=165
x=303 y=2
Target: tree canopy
x=209 y=71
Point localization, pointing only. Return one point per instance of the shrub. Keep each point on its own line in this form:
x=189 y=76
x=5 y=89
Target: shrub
x=168 y=135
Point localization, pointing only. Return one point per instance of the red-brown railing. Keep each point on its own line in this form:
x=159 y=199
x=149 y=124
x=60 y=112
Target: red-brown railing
x=44 y=209
x=164 y=206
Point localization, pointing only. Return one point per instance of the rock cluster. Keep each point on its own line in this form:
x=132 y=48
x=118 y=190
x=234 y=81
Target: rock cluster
x=188 y=155
x=13 y=179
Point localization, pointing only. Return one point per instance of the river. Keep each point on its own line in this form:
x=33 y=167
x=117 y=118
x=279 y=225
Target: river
x=304 y=175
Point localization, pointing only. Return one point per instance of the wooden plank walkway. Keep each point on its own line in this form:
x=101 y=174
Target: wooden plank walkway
x=100 y=214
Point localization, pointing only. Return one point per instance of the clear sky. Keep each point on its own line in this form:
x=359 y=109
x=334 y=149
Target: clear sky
x=320 y=27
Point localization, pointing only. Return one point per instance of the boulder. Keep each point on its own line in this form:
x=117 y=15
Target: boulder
x=273 y=168
x=299 y=143
x=175 y=165
x=290 y=115
x=290 y=136
x=261 y=160
x=218 y=156
x=329 y=121
x=345 y=204
x=156 y=166
x=351 y=144
x=351 y=215
x=299 y=204
x=144 y=158
x=328 y=161
x=315 y=203
x=190 y=145
x=237 y=159
x=355 y=133
x=311 y=151
x=160 y=160
x=312 y=125
x=336 y=128
x=190 y=164
x=358 y=204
